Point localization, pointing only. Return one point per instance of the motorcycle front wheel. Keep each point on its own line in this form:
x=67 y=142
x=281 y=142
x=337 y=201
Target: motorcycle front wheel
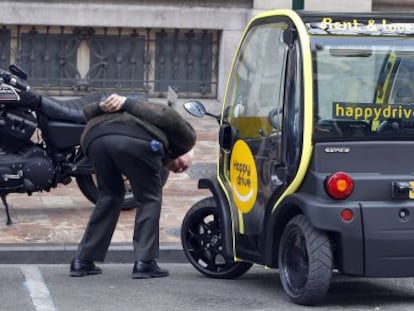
x=88 y=186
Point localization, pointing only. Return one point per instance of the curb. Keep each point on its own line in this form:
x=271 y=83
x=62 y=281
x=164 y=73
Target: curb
x=63 y=254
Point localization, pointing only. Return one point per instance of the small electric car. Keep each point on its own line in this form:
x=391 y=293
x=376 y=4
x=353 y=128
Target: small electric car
x=316 y=154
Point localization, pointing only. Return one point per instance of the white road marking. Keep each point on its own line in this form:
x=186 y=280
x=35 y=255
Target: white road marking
x=42 y=301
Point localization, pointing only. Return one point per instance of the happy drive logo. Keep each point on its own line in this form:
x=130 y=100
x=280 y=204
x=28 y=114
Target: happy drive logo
x=243 y=177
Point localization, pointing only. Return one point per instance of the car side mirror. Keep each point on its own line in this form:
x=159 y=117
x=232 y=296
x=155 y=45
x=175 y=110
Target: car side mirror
x=195 y=108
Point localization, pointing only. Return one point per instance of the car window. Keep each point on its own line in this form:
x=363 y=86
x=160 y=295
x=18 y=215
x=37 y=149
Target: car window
x=363 y=88
x=257 y=82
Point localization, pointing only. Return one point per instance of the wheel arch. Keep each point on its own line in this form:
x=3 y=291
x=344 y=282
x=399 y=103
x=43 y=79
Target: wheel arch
x=223 y=207
x=275 y=226
x=321 y=215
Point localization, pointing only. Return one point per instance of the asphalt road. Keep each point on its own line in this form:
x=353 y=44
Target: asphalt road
x=49 y=288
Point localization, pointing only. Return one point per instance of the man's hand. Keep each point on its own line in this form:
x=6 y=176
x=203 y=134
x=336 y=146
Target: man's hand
x=181 y=163
x=112 y=103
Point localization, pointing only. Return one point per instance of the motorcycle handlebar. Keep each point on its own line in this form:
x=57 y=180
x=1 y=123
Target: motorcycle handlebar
x=12 y=80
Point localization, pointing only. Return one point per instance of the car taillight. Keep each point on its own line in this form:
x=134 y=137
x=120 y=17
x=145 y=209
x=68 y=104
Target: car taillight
x=339 y=185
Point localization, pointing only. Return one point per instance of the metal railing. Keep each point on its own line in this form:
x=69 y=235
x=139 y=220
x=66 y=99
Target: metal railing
x=71 y=61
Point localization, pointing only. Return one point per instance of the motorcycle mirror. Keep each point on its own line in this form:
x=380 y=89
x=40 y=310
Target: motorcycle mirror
x=172 y=97
x=195 y=108
x=17 y=71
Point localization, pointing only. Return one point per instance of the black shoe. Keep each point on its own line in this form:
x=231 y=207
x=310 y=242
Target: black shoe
x=148 y=269
x=79 y=267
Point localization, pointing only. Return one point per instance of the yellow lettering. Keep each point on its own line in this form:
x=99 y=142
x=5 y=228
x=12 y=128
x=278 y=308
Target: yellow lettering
x=371 y=25
x=407 y=113
x=377 y=112
x=358 y=113
x=339 y=111
x=371 y=112
x=355 y=22
x=368 y=114
x=386 y=113
x=326 y=22
x=349 y=112
x=337 y=26
x=394 y=113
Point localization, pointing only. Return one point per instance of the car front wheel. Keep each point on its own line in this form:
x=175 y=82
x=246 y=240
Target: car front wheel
x=201 y=239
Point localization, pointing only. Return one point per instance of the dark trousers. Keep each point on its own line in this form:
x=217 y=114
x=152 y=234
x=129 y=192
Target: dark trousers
x=114 y=156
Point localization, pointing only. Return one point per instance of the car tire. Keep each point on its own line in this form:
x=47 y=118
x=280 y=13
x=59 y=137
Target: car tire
x=305 y=262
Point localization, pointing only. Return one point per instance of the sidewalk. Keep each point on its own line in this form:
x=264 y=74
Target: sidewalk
x=48 y=225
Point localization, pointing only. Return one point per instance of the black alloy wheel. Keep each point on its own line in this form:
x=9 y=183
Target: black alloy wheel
x=201 y=238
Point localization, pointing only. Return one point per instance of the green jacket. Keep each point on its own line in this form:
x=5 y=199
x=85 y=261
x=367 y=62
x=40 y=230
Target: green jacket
x=159 y=121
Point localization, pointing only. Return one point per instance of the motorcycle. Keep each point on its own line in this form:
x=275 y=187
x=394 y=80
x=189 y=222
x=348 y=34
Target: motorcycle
x=40 y=141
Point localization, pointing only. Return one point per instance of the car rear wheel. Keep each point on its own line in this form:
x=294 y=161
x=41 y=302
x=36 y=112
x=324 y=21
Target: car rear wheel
x=305 y=262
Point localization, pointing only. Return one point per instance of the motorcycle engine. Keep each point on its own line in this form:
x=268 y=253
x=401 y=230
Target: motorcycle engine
x=28 y=171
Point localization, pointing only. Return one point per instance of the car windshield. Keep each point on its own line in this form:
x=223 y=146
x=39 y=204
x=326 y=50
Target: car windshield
x=363 y=87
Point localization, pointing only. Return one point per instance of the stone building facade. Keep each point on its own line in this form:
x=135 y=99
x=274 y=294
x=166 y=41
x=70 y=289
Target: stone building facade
x=72 y=47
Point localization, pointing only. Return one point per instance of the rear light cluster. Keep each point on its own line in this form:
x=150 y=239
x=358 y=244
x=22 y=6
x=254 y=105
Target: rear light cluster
x=347 y=214
x=339 y=185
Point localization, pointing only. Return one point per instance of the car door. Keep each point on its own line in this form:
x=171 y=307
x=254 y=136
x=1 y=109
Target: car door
x=253 y=143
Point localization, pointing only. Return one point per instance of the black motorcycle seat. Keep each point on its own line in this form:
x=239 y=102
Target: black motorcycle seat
x=70 y=109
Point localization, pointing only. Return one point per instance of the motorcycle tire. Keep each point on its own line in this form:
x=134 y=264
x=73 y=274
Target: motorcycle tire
x=87 y=185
